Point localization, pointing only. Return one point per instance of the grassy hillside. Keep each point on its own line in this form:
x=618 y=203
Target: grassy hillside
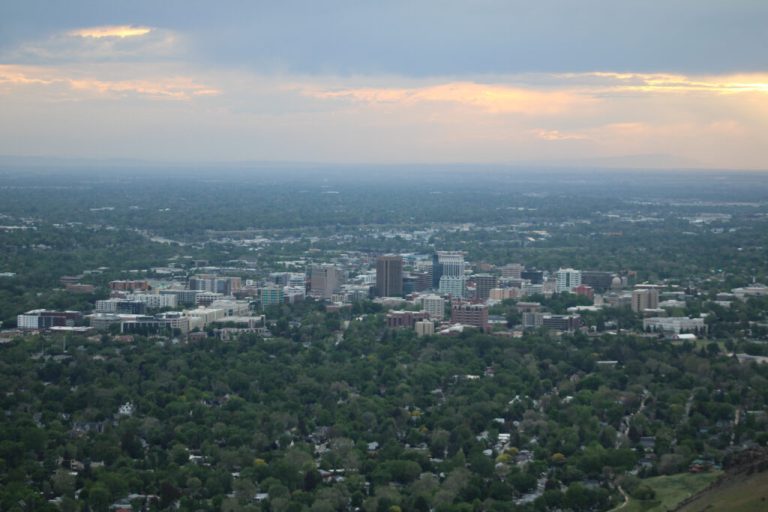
x=740 y=494
x=670 y=491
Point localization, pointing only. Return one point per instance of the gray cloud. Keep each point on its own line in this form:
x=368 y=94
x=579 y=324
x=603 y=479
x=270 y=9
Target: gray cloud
x=428 y=38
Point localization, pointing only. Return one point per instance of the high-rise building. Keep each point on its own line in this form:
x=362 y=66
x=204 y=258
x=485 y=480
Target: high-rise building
x=455 y=286
x=409 y=284
x=451 y=263
x=567 y=279
x=512 y=270
x=645 y=298
x=325 y=280
x=423 y=280
x=483 y=285
x=437 y=271
x=389 y=276
x=271 y=295
x=434 y=305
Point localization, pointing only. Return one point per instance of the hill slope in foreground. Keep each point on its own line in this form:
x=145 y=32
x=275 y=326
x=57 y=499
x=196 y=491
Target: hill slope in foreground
x=743 y=493
x=744 y=488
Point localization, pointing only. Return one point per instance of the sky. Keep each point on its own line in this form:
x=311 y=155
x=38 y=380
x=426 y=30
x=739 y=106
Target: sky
x=630 y=83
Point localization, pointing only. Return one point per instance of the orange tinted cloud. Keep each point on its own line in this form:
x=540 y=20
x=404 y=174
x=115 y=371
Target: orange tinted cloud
x=119 y=31
x=172 y=88
x=661 y=82
x=22 y=75
x=558 y=135
x=489 y=98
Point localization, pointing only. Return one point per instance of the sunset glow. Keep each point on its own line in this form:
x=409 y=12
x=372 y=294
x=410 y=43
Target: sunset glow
x=456 y=92
x=119 y=31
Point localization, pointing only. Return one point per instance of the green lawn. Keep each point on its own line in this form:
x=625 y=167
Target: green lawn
x=671 y=490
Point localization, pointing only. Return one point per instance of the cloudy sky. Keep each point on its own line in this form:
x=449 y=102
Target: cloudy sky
x=673 y=83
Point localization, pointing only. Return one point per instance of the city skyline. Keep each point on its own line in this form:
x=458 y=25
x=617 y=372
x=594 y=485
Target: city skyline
x=634 y=85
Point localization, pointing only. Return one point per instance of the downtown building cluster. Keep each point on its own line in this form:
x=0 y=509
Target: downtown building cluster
x=438 y=293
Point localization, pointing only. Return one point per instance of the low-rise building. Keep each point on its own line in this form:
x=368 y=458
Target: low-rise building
x=565 y=323
x=674 y=324
x=129 y=286
x=470 y=314
x=121 y=306
x=183 y=297
x=154 y=300
x=500 y=294
x=754 y=290
x=407 y=319
x=45 y=319
x=424 y=328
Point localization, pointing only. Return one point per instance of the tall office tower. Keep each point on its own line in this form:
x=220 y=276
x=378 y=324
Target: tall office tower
x=483 y=285
x=452 y=263
x=645 y=298
x=423 y=281
x=324 y=281
x=389 y=276
x=567 y=279
x=437 y=271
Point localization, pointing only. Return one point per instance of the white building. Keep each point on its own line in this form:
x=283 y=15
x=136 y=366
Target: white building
x=154 y=300
x=455 y=286
x=567 y=279
x=175 y=320
x=452 y=263
x=355 y=292
x=232 y=307
x=754 y=290
x=434 y=305
x=206 y=298
x=296 y=280
x=203 y=316
x=674 y=324
x=294 y=293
